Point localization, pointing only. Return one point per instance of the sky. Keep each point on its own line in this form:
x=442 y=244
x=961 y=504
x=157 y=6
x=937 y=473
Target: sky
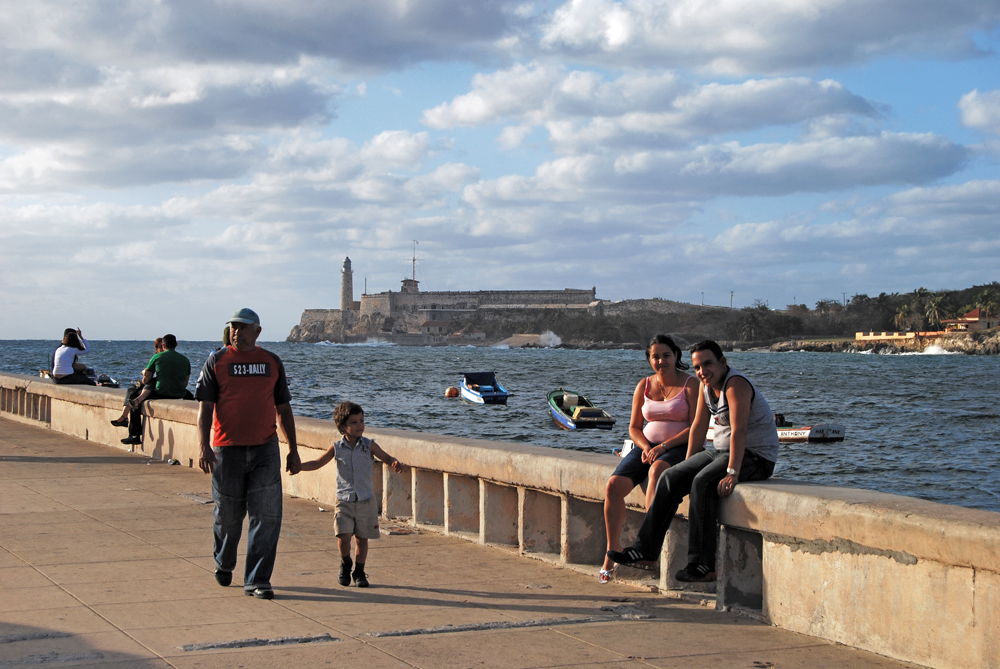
x=165 y=162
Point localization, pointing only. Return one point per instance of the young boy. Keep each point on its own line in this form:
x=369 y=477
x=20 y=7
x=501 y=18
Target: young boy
x=356 y=508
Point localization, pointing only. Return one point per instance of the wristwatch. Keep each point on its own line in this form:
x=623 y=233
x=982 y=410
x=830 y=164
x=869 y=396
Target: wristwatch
x=730 y=471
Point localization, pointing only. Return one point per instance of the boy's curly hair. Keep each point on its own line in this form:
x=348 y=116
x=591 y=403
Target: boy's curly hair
x=344 y=411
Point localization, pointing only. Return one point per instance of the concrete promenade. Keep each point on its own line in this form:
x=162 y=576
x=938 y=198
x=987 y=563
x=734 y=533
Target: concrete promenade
x=105 y=560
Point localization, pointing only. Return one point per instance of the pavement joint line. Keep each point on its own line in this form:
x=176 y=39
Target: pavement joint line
x=618 y=613
x=257 y=643
x=33 y=636
x=52 y=658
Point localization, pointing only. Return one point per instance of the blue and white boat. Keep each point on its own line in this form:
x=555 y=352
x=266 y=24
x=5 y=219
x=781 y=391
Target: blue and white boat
x=483 y=388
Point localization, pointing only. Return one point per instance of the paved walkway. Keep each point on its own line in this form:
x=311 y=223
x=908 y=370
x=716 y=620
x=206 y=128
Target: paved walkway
x=105 y=560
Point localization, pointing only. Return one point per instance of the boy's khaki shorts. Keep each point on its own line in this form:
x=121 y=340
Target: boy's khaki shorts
x=357 y=518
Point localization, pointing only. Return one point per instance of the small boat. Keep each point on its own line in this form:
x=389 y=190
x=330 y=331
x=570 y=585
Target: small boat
x=572 y=411
x=787 y=434
x=483 y=388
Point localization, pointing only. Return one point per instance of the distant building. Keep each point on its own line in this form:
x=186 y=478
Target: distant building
x=411 y=312
x=971 y=322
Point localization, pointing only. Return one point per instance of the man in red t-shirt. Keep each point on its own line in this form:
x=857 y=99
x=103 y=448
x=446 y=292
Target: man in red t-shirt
x=240 y=390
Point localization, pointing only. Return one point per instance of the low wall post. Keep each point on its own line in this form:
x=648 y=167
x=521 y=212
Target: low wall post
x=539 y=521
x=397 y=493
x=428 y=497
x=497 y=514
x=583 y=533
x=461 y=505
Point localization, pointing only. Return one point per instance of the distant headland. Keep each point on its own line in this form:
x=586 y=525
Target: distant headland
x=577 y=318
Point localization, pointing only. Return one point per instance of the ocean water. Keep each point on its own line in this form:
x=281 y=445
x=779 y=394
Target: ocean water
x=925 y=425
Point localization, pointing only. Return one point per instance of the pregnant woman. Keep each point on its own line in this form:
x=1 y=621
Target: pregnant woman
x=662 y=411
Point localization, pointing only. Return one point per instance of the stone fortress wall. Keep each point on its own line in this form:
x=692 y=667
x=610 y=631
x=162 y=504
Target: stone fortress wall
x=405 y=311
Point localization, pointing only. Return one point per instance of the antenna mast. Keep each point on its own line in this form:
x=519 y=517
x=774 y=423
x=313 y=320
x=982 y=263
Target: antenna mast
x=414 y=260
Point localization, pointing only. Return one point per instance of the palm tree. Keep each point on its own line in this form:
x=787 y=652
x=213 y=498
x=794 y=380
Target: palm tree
x=933 y=310
x=985 y=302
x=902 y=317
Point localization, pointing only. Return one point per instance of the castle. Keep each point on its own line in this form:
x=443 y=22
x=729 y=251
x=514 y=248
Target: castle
x=414 y=317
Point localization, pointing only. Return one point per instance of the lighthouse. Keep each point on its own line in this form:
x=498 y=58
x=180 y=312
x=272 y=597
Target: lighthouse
x=347 y=287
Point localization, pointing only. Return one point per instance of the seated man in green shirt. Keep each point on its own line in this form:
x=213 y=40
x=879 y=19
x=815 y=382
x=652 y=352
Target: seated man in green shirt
x=171 y=372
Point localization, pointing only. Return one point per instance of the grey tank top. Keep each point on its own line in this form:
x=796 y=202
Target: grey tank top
x=762 y=435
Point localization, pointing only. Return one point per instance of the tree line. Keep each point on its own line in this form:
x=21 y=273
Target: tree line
x=920 y=310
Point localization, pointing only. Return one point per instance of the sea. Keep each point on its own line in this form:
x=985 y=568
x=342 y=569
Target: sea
x=924 y=425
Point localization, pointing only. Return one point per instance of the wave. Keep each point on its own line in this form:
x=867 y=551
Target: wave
x=371 y=343
x=932 y=350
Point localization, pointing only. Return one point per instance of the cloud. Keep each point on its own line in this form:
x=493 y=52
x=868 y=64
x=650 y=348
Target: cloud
x=768 y=36
x=981 y=111
x=731 y=169
x=582 y=110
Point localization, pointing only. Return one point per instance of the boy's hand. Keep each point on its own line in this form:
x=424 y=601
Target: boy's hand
x=396 y=467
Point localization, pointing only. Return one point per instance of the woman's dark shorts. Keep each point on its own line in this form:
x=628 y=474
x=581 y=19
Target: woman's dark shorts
x=634 y=468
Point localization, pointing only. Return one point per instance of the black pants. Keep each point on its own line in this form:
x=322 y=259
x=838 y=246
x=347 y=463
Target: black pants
x=76 y=378
x=699 y=475
x=135 y=415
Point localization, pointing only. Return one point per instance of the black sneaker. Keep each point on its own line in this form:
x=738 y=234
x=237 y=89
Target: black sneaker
x=260 y=593
x=132 y=441
x=345 y=574
x=695 y=573
x=631 y=557
x=223 y=578
x=360 y=579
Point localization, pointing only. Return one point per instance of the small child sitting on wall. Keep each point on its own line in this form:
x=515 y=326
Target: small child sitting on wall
x=356 y=508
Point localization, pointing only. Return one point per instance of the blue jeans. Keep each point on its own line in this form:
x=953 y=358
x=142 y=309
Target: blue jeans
x=699 y=475
x=247 y=479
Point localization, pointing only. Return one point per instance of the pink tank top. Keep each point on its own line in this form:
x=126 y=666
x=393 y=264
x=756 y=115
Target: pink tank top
x=665 y=419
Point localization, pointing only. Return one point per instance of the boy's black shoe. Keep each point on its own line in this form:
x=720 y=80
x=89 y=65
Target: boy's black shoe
x=345 y=573
x=695 y=573
x=133 y=441
x=631 y=557
x=223 y=578
x=360 y=578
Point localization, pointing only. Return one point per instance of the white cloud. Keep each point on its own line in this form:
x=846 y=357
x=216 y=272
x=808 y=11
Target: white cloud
x=981 y=111
x=582 y=111
x=396 y=148
x=763 y=36
x=732 y=169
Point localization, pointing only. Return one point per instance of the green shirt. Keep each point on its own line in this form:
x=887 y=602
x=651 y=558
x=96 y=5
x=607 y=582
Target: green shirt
x=171 y=370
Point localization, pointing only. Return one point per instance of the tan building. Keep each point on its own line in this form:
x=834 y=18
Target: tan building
x=971 y=322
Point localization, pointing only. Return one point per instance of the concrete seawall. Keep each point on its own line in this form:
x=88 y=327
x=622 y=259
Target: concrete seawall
x=912 y=580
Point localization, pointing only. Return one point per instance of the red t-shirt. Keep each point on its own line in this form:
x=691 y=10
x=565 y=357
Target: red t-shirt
x=245 y=387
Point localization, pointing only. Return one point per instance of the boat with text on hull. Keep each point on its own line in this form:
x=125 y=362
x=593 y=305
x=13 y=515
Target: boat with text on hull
x=787 y=434
x=483 y=388
x=572 y=411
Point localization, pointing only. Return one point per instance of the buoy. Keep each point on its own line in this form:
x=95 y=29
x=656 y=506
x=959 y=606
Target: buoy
x=452 y=391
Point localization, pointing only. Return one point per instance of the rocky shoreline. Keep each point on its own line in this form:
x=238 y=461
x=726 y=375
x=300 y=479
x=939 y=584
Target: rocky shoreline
x=973 y=343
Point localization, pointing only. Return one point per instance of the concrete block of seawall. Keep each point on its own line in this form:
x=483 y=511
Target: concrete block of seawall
x=540 y=521
x=497 y=514
x=397 y=491
x=867 y=609
x=428 y=497
x=461 y=504
x=740 y=569
x=583 y=533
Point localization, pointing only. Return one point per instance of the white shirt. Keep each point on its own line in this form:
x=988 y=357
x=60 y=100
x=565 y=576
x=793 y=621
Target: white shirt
x=63 y=364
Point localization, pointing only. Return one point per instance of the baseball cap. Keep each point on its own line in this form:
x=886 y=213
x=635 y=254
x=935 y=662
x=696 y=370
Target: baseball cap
x=245 y=315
